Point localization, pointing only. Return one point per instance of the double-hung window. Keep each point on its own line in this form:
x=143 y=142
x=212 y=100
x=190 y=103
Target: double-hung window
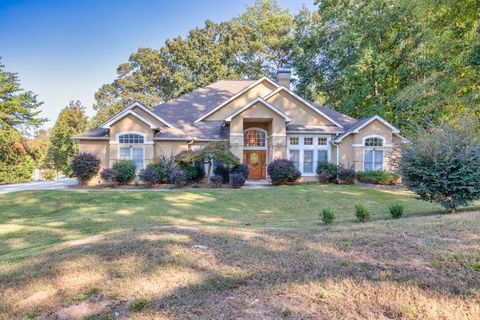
x=306 y=151
x=374 y=154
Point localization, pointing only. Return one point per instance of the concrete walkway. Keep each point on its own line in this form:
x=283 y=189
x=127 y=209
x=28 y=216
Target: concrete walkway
x=39 y=185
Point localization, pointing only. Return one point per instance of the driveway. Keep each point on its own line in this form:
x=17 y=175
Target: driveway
x=40 y=185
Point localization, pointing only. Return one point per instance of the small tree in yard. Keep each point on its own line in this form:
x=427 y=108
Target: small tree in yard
x=442 y=164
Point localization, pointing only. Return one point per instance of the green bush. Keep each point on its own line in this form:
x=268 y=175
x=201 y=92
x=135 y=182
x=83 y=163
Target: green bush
x=378 y=177
x=161 y=170
x=326 y=171
x=442 y=164
x=49 y=174
x=362 y=212
x=396 y=210
x=282 y=171
x=327 y=215
x=222 y=170
x=193 y=172
x=242 y=169
x=125 y=170
x=237 y=180
x=85 y=166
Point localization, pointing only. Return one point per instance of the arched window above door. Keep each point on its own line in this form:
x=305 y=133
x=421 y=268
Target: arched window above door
x=254 y=137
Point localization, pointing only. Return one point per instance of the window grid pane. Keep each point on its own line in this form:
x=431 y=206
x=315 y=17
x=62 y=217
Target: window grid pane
x=130 y=138
x=322 y=141
x=322 y=155
x=254 y=138
x=308 y=141
x=373 y=142
x=308 y=161
x=294 y=141
x=295 y=158
x=124 y=154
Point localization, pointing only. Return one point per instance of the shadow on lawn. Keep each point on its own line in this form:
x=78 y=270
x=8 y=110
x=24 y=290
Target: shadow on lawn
x=221 y=272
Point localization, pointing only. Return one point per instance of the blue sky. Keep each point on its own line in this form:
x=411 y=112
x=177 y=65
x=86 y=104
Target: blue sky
x=65 y=50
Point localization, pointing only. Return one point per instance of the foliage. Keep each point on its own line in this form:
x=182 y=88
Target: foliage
x=110 y=175
x=255 y=43
x=407 y=61
x=237 y=180
x=327 y=215
x=242 y=169
x=442 y=164
x=126 y=171
x=362 y=212
x=178 y=178
x=18 y=114
x=222 y=170
x=161 y=170
x=49 y=174
x=193 y=172
x=170 y=164
x=16 y=165
x=216 y=180
x=71 y=121
x=149 y=176
x=326 y=171
x=345 y=175
x=282 y=171
x=139 y=305
x=85 y=166
x=378 y=177
x=396 y=210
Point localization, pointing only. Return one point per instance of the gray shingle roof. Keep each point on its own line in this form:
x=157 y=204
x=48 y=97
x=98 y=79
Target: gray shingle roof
x=181 y=113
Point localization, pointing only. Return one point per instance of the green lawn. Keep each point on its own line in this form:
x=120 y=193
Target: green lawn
x=208 y=253
x=33 y=221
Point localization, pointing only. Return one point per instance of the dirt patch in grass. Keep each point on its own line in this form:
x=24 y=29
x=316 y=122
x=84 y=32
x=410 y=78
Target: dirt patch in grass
x=413 y=268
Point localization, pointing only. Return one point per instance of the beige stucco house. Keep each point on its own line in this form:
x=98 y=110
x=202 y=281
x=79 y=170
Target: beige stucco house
x=261 y=119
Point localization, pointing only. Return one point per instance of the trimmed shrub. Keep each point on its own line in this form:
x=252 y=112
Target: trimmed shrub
x=49 y=174
x=237 y=180
x=396 y=210
x=110 y=175
x=178 y=178
x=149 y=176
x=216 y=180
x=442 y=163
x=362 y=212
x=345 y=175
x=282 y=171
x=126 y=171
x=194 y=172
x=378 y=177
x=242 y=169
x=327 y=215
x=85 y=166
x=222 y=170
x=326 y=171
x=161 y=170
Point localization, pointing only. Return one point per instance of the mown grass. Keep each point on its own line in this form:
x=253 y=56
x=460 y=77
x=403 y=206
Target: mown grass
x=36 y=220
x=235 y=254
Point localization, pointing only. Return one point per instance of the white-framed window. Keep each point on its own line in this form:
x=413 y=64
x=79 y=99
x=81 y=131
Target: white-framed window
x=373 y=142
x=136 y=154
x=373 y=159
x=254 y=139
x=131 y=146
x=305 y=151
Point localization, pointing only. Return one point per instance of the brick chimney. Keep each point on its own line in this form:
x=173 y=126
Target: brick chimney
x=284 y=75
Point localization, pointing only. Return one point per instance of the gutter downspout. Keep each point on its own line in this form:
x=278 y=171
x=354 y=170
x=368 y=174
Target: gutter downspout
x=337 y=146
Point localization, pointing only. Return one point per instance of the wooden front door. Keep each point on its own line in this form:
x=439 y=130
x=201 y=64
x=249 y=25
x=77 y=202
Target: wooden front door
x=256 y=162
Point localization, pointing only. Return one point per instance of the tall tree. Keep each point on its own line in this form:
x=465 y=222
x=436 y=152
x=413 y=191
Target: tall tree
x=71 y=121
x=248 y=46
x=403 y=59
x=18 y=116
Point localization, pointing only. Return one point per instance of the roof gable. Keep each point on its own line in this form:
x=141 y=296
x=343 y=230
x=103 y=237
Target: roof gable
x=363 y=123
x=237 y=95
x=129 y=110
x=303 y=101
x=252 y=103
